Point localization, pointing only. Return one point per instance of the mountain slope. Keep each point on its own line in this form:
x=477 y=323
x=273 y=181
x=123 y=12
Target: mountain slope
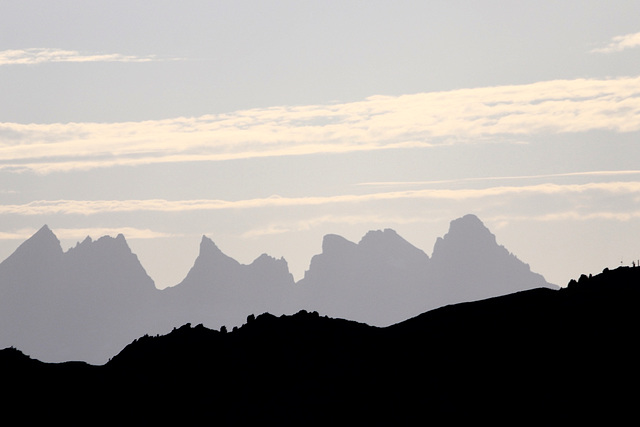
x=218 y=290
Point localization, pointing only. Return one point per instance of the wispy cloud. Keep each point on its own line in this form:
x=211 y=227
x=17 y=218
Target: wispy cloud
x=503 y=113
x=620 y=43
x=499 y=178
x=35 y=56
x=394 y=220
x=92 y=207
x=310 y=223
x=80 y=233
x=568 y=216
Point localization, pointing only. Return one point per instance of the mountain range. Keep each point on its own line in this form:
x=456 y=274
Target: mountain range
x=89 y=302
x=540 y=356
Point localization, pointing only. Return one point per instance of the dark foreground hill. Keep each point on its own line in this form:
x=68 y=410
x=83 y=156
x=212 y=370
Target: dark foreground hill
x=551 y=356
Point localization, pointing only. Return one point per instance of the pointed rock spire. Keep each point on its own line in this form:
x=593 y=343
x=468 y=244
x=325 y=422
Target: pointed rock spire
x=43 y=246
x=45 y=236
x=210 y=254
x=470 y=264
x=208 y=246
x=466 y=234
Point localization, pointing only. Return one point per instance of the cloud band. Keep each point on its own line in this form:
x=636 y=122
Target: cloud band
x=92 y=207
x=620 y=43
x=35 y=56
x=504 y=113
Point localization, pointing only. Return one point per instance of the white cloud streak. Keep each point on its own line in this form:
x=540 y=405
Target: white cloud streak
x=620 y=43
x=92 y=207
x=499 y=178
x=390 y=220
x=35 y=56
x=310 y=223
x=503 y=113
x=80 y=233
x=570 y=216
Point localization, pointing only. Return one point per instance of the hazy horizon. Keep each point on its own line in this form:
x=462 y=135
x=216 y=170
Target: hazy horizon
x=297 y=278
x=267 y=125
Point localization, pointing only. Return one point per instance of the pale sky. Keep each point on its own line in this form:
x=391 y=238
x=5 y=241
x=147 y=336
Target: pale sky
x=266 y=125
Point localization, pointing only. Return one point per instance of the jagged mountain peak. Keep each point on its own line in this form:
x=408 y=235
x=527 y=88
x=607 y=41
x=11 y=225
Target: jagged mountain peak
x=334 y=242
x=44 y=229
x=268 y=259
x=379 y=236
x=469 y=226
x=44 y=236
x=104 y=244
x=207 y=246
x=389 y=242
x=212 y=258
x=43 y=245
x=107 y=262
x=88 y=241
x=211 y=254
x=119 y=240
x=465 y=234
x=210 y=261
x=469 y=255
x=276 y=268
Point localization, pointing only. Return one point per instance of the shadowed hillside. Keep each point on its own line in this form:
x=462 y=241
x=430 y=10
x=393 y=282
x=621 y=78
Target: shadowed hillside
x=539 y=355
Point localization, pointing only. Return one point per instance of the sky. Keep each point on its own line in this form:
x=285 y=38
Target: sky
x=266 y=125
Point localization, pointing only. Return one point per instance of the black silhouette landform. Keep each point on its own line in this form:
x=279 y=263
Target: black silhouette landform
x=548 y=356
x=89 y=302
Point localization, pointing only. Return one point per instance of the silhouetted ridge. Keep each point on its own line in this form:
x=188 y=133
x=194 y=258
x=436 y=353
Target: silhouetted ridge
x=13 y=357
x=259 y=332
x=547 y=356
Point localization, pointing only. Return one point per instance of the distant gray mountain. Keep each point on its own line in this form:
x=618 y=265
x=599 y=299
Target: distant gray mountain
x=384 y=279
x=467 y=264
x=381 y=280
x=89 y=302
x=218 y=290
x=81 y=304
